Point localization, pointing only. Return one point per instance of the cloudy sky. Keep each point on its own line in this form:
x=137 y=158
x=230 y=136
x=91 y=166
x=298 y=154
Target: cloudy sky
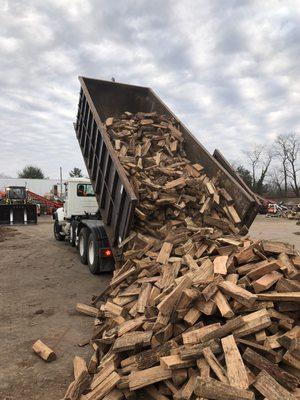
x=229 y=69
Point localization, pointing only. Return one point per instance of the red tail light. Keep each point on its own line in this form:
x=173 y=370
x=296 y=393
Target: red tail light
x=106 y=252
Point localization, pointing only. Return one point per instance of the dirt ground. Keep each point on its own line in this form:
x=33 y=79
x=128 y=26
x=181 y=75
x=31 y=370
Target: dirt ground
x=41 y=281
x=280 y=229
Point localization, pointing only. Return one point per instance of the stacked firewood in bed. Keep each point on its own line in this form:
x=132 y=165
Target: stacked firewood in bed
x=171 y=190
x=196 y=311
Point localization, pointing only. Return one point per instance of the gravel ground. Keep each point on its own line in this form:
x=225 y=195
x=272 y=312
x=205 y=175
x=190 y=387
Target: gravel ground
x=280 y=229
x=41 y=281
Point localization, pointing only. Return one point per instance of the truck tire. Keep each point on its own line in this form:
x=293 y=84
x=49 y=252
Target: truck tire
x=72 y=239
x=83 y=244
x=93 y=255
x=57 y=233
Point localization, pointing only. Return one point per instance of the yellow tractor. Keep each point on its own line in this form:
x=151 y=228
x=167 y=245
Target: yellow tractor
x=15 y=208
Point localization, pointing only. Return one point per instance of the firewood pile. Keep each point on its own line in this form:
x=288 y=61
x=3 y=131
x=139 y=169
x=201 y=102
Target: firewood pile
x=291 y=214
x=196 y=311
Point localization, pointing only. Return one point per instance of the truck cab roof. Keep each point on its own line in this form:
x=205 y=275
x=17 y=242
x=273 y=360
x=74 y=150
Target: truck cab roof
x=80 y=180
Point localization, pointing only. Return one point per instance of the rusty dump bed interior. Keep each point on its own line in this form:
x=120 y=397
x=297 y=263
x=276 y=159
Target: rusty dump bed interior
x=102 y=99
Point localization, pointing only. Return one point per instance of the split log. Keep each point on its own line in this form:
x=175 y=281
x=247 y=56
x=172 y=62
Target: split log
x=213 y=389
x=236 y=371
x=88 y=310
x=241 y=295
x=104 y=388
x=270 y=388
x=284 y=378
x=43 y=351
x=140 y=379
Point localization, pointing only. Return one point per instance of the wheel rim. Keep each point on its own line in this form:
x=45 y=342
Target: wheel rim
x=91 y=252
x=56 y=230
x=81 y=246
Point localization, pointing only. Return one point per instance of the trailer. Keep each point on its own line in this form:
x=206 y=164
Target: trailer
x=114 y=194
x=49 y=206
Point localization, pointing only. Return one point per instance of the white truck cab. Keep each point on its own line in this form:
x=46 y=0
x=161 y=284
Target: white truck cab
x=80 y=198
x=79 y=222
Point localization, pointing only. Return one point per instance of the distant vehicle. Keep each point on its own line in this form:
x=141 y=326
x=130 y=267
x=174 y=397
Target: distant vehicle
x=16 y=208
x=78 y=223
x=276 y=209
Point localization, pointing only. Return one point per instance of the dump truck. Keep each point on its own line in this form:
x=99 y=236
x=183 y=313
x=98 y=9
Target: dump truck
x=115 y=197
x=16 y=208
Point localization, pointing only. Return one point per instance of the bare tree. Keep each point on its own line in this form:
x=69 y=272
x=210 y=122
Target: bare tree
x=276 y=180
x=293 y=150
x=260 y=159
x=265 y=164
x=281 y=152
x=254 y=157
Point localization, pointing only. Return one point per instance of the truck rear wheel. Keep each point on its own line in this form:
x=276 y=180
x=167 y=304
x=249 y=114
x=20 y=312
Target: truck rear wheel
x=83 y=244
x=73 y=226
x=93 y=255
x=57 y=233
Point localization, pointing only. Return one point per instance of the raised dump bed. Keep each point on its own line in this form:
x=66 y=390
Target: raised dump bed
x=116 y=199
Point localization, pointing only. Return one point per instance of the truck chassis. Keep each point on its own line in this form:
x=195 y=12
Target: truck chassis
x=87 y=233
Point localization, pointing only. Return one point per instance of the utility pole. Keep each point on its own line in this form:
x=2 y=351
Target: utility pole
x=61 y=183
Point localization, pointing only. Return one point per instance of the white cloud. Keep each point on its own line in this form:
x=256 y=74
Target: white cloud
x=8 y=44
x=229 y=69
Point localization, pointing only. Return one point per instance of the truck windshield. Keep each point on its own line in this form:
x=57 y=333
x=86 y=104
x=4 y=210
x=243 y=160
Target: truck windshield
x=16 y=193
x=85 y=190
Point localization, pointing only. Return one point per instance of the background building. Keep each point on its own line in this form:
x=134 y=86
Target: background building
x=38 y=186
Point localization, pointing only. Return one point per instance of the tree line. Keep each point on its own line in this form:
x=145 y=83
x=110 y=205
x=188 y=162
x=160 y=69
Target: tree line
x=273 y=169
x=33 y=172
x=268 y=170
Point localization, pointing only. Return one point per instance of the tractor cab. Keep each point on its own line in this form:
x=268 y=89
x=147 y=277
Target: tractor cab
x=16 y=195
